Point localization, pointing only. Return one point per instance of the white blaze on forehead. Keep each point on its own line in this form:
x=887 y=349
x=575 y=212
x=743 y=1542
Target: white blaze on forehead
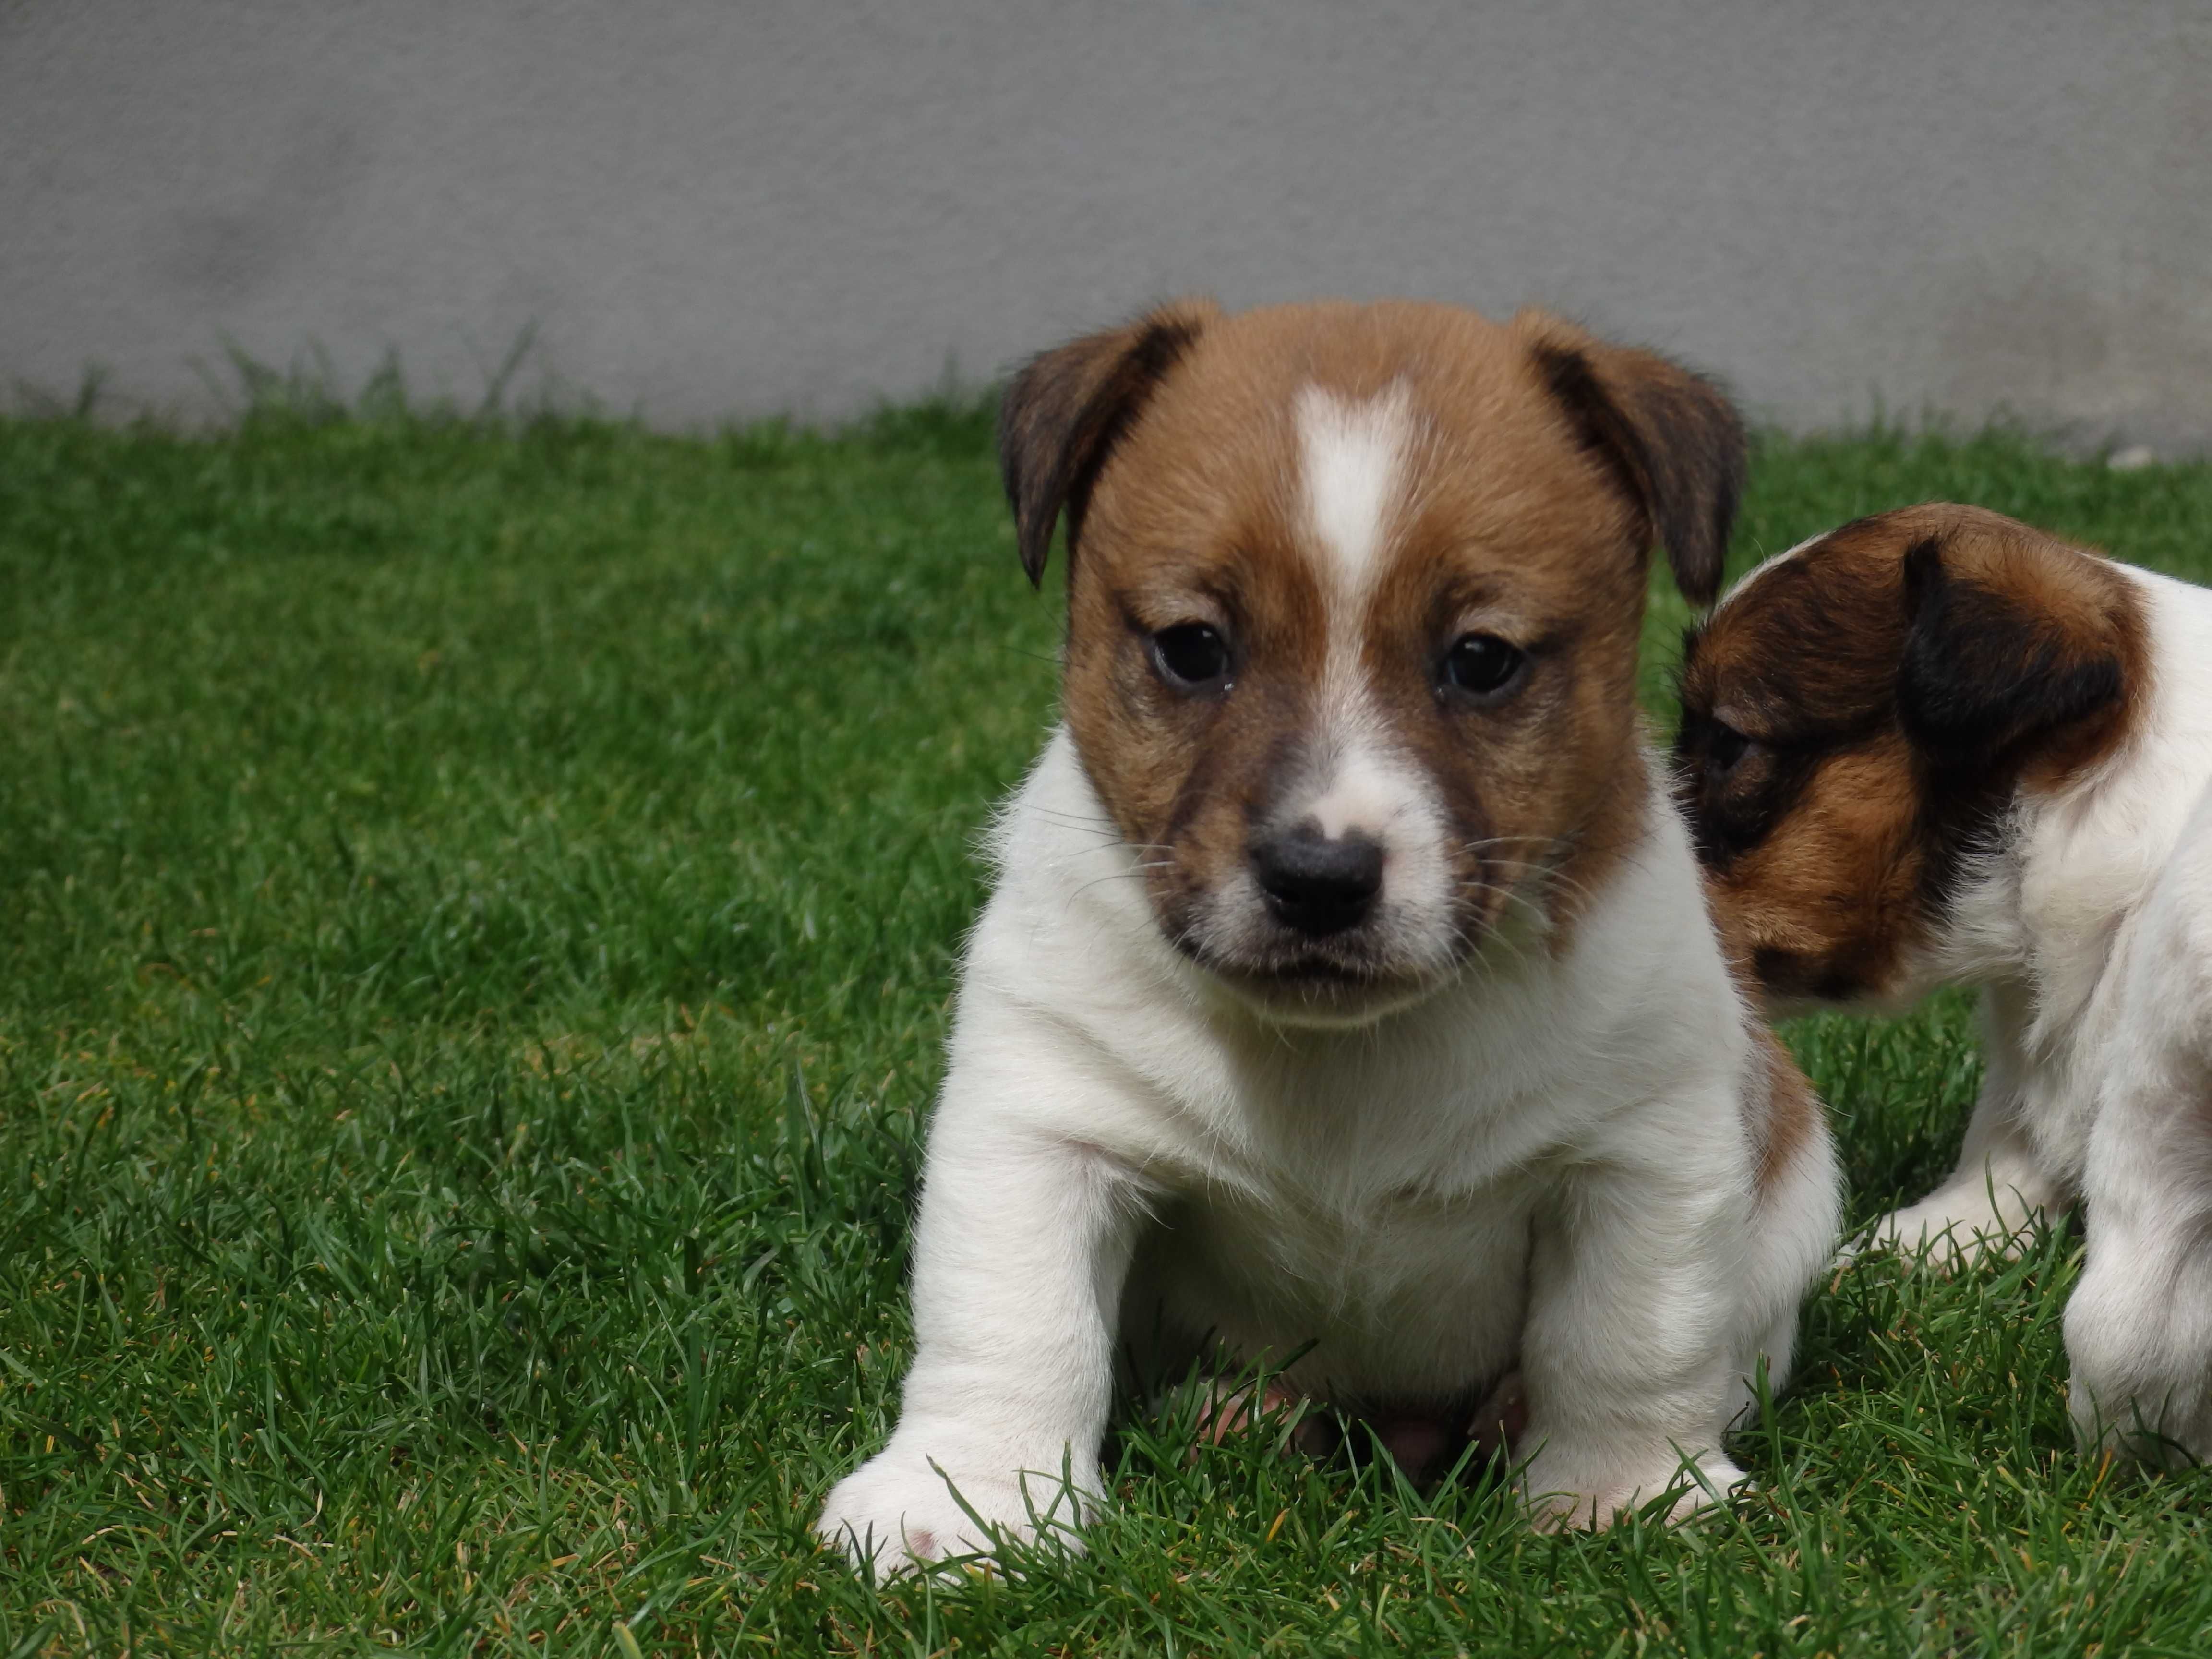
x=1358 y=780
x=1352 y=454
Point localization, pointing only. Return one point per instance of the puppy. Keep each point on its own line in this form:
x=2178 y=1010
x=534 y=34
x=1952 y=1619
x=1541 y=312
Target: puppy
x=1939 y=747
x=1346 y=1001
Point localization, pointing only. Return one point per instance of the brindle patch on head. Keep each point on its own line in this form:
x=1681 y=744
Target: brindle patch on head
x=1857 y=718
x=1342 y=493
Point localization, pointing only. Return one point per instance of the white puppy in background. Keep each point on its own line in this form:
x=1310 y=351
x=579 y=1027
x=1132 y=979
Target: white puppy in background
x=1347 y=990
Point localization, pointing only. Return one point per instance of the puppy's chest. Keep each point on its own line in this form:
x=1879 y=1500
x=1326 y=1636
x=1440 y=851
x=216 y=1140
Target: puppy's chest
x=1373 y=1248
x=1409 y=1288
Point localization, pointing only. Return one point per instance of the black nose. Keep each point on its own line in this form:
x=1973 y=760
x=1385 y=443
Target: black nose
x=1317 y=883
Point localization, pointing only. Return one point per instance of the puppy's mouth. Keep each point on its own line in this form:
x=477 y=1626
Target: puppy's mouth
x=1349 y=978
x=1321 y=991
x=1809 y=986
x=1797 y=981
x=1308 y=969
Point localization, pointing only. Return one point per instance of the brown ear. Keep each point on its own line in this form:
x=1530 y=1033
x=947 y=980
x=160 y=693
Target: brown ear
x=2007 y=644
x=1067 y=409
x=1671 y=438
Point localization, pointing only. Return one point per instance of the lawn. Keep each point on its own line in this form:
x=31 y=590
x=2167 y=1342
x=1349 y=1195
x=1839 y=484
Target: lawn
x=477 y=906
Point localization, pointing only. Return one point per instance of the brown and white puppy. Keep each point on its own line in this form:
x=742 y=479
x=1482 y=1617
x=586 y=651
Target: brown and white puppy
x=1937 y=746
x=1346 y=1001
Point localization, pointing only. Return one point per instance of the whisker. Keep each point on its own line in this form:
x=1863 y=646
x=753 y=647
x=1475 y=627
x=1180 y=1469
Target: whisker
x=1138 y=871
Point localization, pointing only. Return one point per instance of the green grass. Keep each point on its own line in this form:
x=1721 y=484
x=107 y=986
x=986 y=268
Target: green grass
x=477 y=906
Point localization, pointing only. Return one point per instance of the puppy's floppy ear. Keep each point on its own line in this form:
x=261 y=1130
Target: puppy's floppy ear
x=1068 y=407
x=1671 y=438
x=2003 y=650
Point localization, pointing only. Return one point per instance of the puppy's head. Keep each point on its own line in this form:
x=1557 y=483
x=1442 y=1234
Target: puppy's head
x=1858 y=718
x=1354 y=596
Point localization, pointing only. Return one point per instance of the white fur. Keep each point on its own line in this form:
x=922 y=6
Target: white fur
x=1352 y=455
x=2090 y=931
x=1545 y=1164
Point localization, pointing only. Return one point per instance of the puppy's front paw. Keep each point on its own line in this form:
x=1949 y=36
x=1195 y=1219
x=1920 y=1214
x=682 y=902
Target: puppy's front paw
x=903 y=1510
x=2140 y=1342
x=1561 y=1496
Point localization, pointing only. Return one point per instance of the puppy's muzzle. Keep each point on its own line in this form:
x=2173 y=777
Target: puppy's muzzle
x=1318 y=884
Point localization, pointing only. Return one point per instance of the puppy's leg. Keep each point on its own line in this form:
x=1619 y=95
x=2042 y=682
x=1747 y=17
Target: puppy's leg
x=1020 y=1251
x=1799 y=1215
x=1635 y=1327
x=1999 y=1189
x=2139 y=1328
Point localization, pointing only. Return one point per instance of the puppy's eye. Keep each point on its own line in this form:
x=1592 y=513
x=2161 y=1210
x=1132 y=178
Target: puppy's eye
x=1724 y=747
x=1191 y=657
x=1481 y=664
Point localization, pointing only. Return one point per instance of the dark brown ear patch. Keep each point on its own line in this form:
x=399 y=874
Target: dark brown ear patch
x=1670 y=438
x=1068 y=407
x=1981 y=675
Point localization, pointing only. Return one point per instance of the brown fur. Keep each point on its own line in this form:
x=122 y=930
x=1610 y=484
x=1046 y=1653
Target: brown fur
x=1174 y=445
x=1898 y=681
x=1781 y=1116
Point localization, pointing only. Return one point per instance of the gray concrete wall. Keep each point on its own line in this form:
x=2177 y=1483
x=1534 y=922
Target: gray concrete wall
x=713 y=210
